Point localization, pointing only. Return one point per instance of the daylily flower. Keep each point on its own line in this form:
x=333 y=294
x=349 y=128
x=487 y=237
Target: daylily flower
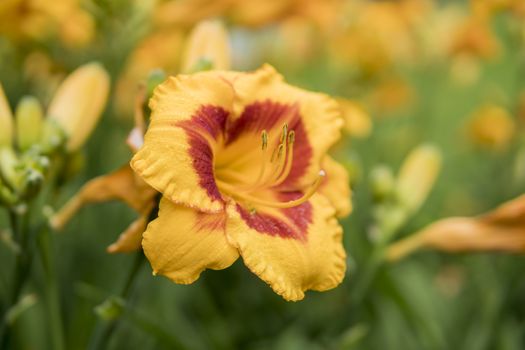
x=241 y=162
x=502 y=229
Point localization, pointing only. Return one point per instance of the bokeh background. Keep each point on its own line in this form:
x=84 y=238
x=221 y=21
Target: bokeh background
x=449 y=73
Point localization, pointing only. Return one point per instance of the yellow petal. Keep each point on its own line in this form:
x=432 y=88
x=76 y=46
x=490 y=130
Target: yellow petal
x=336 y=187
x=320 y=116
x=209 y=41
x=121 y=184
x=310 y=257
x=182 y=242
x=180 y=167
x=79 y=102
x=6 y=121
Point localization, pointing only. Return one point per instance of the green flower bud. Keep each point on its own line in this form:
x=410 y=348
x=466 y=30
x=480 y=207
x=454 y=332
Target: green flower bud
x=53 y=137
x=6 y=121
x=10 y=168
x=382 y=182
x=110 y=309
x=32 y=183
x=29 y=117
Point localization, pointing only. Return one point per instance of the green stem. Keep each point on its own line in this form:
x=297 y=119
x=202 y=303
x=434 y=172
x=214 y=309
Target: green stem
x=52 y=292
x=104 y=332
x=21 y=272
x=377 y=258
x=368 y=275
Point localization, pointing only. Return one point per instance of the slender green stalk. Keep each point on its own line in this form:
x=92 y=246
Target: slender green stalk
x=21 y=272
x=369 y=273
x=52 y=292
x=104 y=332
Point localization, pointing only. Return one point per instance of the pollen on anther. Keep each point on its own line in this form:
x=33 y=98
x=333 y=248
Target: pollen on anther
x=264 y=137
x=291 y=137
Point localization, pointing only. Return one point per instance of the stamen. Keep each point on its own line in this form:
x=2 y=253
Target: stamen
x=283 y=205
x=284 y=135
x=289 y=160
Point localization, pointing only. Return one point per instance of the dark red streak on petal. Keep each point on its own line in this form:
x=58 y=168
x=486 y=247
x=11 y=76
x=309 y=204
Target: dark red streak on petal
x=260 y=116
x=209 y=119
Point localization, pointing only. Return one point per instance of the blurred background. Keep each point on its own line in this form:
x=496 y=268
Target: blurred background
x=412 y=72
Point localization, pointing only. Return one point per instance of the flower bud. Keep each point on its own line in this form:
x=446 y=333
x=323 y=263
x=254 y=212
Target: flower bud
x=382 y=182
x=208 y=42
x=9 y=168
x=417 y=176
x=79 y=102
x=6 y=121
x=28 y=122
x=110 y=309
x=53 y=136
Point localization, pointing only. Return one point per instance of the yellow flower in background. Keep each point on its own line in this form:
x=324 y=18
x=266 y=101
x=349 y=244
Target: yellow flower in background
x=253 y=13
x=169 y=50
x=79 y=101
x=417 y=176
x=365 y=41
x=391 y=95
x=357 y=120
x=502 y=229
x=474 y=37
x=159 y=50
x=41 y=20
x=491 y=126
x=208 y=41
x=238 y=158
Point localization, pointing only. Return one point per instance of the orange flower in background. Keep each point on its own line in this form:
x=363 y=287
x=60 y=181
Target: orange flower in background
x=502 y=229
x=41 y=20
x=238 y=158
x=357 y=120
x=474 y=37
x=491 y=126
x=254 y=13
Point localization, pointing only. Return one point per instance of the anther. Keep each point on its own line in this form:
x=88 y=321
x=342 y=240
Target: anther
x=264 y=136
x=291 y=137
x=285 y=132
